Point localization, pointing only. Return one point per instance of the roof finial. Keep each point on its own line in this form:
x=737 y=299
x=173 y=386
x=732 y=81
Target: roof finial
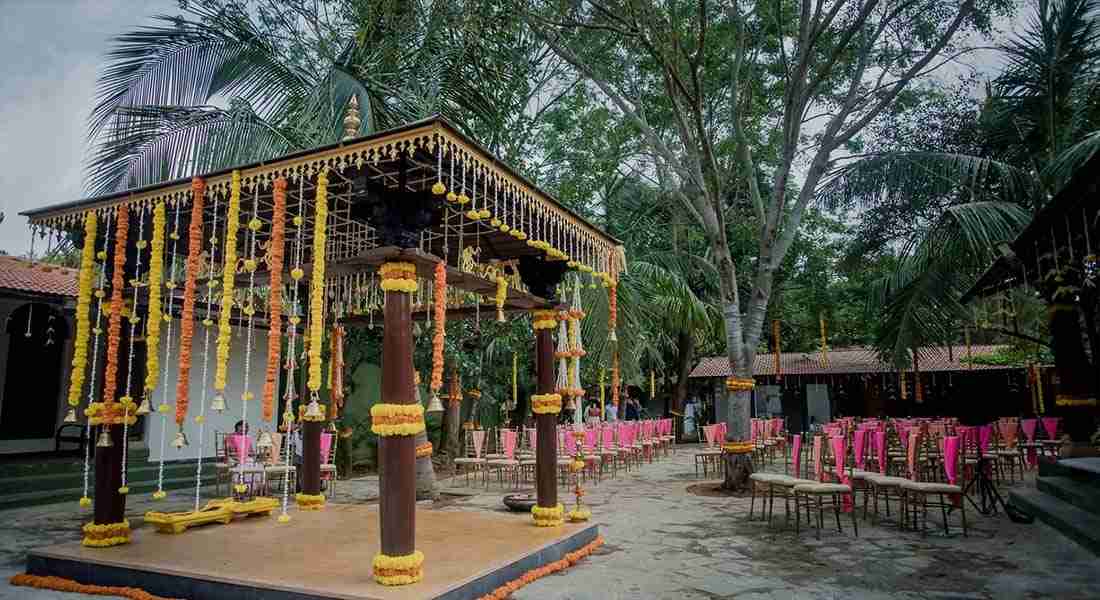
x=351 y=119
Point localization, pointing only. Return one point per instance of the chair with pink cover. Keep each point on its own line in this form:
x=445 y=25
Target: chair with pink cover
x=472 y=459
x=709 y=456
x=885 y=486
x=328 y=466
x=1031 y=445
x=836 y=496
x=771 y=483
x=509 y=464
x=1010 y=456
x=948 y=494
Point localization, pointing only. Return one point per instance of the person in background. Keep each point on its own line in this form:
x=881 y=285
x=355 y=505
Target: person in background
x=593 y=416
x=631 y=409
x=611 y=412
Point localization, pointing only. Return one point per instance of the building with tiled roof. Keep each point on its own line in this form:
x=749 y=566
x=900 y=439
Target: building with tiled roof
x=22 y=275
x=850 y=360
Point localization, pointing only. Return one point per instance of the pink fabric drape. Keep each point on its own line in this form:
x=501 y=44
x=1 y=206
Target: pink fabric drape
x=533 y=438
x=326 y=447
x=880 y=446
x=589 y=440
x=818 y=471
x=508 y=439
x=241 y=447
x=479 y=441
x=857 y=446
x=1029 y=425
x=840 y=453
x=985 y=432
x=1050 y=424
x=722 y=429
x=951 y=458
x=796 y=455
x=903 y=436
x=276 y=446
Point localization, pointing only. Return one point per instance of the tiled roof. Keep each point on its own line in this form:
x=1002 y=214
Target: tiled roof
x=846 y=360
x=41 y=278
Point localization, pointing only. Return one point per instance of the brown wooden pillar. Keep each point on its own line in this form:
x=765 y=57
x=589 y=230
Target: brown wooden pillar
x=546 y=453
x=311 y=458
x=107 y=527
x=398 y=562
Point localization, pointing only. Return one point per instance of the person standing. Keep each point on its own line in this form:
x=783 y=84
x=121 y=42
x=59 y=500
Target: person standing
x=611 y=412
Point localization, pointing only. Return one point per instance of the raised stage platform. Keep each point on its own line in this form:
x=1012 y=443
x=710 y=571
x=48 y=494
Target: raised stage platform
x=324 y=554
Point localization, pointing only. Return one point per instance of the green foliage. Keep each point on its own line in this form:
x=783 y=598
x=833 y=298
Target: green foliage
x=1010 y=357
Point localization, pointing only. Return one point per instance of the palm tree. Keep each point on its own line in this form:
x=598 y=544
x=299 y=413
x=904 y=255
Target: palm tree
x=226 y=83
x=1039 y=124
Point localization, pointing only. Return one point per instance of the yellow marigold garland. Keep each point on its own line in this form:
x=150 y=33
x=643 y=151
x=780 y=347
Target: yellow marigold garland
x=397 y=419
x=309 y=501
x=546 y=404
x=544 y=319
x=103 y=536
x=83 y=309
x=156 y=276
x=317 y=282
x=398 y=277
x=398 y=570
x=229 y=275
x=112 y=413
x=502 y=295
x=548 y=517
x=424 y=450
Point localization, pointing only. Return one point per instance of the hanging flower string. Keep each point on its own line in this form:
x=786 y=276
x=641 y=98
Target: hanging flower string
x=126 y=401
x=85 y=500
x=502 y=295
x=440 y=334
x=229 y=273
x=249 y=311
x=156 y=277
x=207 y=322
x=163 y=408
x=83 y=305
x=187 y=313
x=114 y=320
x=275 y=297
x=317 y=293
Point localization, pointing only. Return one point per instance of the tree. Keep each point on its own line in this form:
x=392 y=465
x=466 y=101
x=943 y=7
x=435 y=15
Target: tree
x=956 y=189
x=724 y=93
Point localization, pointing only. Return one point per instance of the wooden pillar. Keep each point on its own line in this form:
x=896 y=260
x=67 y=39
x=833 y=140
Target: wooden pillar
x=310 y=477
x=546 y=453
x=108 y=526
x=398 y=562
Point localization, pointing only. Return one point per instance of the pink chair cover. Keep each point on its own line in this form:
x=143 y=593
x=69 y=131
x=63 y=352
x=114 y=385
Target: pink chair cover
x=276 y=446
x=1008 y=431
x=985 y=432
x=818 y=472
x=777 y=426
x=1050 y=424
x=880 y=447
x=533 y=437
x=911 y=453
x=903 y=436
x=608 y=437
x=479 y=441
x=508 y=438
x=840 y=453
x=951 y=458
x=1029 y=425
x=326 y=447
x=796 y=456
x=241 y=446
x=589 y=440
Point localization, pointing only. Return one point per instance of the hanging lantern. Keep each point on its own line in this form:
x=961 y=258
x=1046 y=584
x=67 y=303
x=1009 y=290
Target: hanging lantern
x=434 y=405
x=70 y=417
x=104 y=439
x=143 y=408
x=180 y=441
x=218 y=403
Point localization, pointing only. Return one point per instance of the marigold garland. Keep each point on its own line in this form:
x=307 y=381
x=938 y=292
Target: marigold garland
x=424 y=450
x=229 y=275
x=317 y=282
x=397 y=419
x=613 y=310
x=83 y=309
x=737 y=384
x=546 y=404
x=275 y=296
x=544 y=319
x=112 y=413
x=502 y=295
x=440 y=325
x=336 y=362
x=156 y=277
x=548 y=517
x=103 y=536
x=309 y=501
x=571 y=558
x=398 y=570
x=60 y=584
x=114 y=321
x=187 y=313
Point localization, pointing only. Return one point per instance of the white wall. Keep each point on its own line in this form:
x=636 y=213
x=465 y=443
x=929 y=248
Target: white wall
x=235 y=386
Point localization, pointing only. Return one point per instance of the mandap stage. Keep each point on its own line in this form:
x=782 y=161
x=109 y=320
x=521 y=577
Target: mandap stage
x=323 y=554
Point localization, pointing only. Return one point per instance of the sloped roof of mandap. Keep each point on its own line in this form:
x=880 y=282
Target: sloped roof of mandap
x=845 y=361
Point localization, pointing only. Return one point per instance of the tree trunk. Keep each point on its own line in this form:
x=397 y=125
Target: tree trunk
x=738 y=468
x=425 y=472
x=452 y=427
x=686 y=348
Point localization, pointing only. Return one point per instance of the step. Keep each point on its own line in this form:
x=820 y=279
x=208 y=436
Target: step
x=35 y=498
x=50 y=463
x=1080 y=526
x=75 y=478
x=1080 y=469
x=1085 y=496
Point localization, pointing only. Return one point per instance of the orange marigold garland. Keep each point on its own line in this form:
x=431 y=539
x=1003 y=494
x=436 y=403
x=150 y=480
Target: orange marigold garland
x=613 y=311
x=336 y=379
x=570 y=559
x=275 y=300
x=187 y=314
x=440 y=325
x=114 y=321
x=61 y=584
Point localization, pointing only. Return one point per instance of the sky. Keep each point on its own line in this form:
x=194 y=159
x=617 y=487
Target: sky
x=51 y=50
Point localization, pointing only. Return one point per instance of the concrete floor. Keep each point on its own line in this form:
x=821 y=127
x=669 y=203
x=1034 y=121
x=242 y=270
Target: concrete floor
x=663 y=542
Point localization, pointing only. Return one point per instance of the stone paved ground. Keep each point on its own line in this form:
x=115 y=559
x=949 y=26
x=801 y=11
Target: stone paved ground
x=663 y=542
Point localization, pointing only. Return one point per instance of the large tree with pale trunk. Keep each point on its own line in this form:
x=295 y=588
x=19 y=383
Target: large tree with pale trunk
x=744 y=106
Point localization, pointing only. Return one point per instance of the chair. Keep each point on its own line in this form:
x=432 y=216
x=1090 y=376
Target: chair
x=221 y=463
x=834 y=492
x=917 y=492
x=1009 y=454
x=328 y=468
x=472 y=460
x=508 y=463
x=770 y=482
x=711 y=454
x=881 y=483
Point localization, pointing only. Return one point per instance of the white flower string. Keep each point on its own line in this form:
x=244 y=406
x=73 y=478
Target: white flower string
x=207 y=323
x=136 y=284
x=292 y=335
x=98 y=330
x=162 y=409
x=248 y=311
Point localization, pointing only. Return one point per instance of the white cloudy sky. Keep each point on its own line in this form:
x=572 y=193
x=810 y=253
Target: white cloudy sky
x=51 y=50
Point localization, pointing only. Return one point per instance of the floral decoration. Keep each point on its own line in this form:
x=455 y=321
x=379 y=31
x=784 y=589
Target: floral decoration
x=187 y=313
x=397 y=419
x=275 y=297
x=156 y=278
x=83 y=309
x=114 y=321
x=317 y=282
x=398 y=570
x=229 y=276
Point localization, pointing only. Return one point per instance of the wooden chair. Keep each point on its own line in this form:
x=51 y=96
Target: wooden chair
x=711 y=454
x=507 y=463
x=328 y=467
x=949 y=494
x=221 y=464
x=472 y=459
x=821 y=491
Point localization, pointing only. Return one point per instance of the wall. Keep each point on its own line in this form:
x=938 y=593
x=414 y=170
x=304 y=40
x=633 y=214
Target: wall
x=161 y=428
